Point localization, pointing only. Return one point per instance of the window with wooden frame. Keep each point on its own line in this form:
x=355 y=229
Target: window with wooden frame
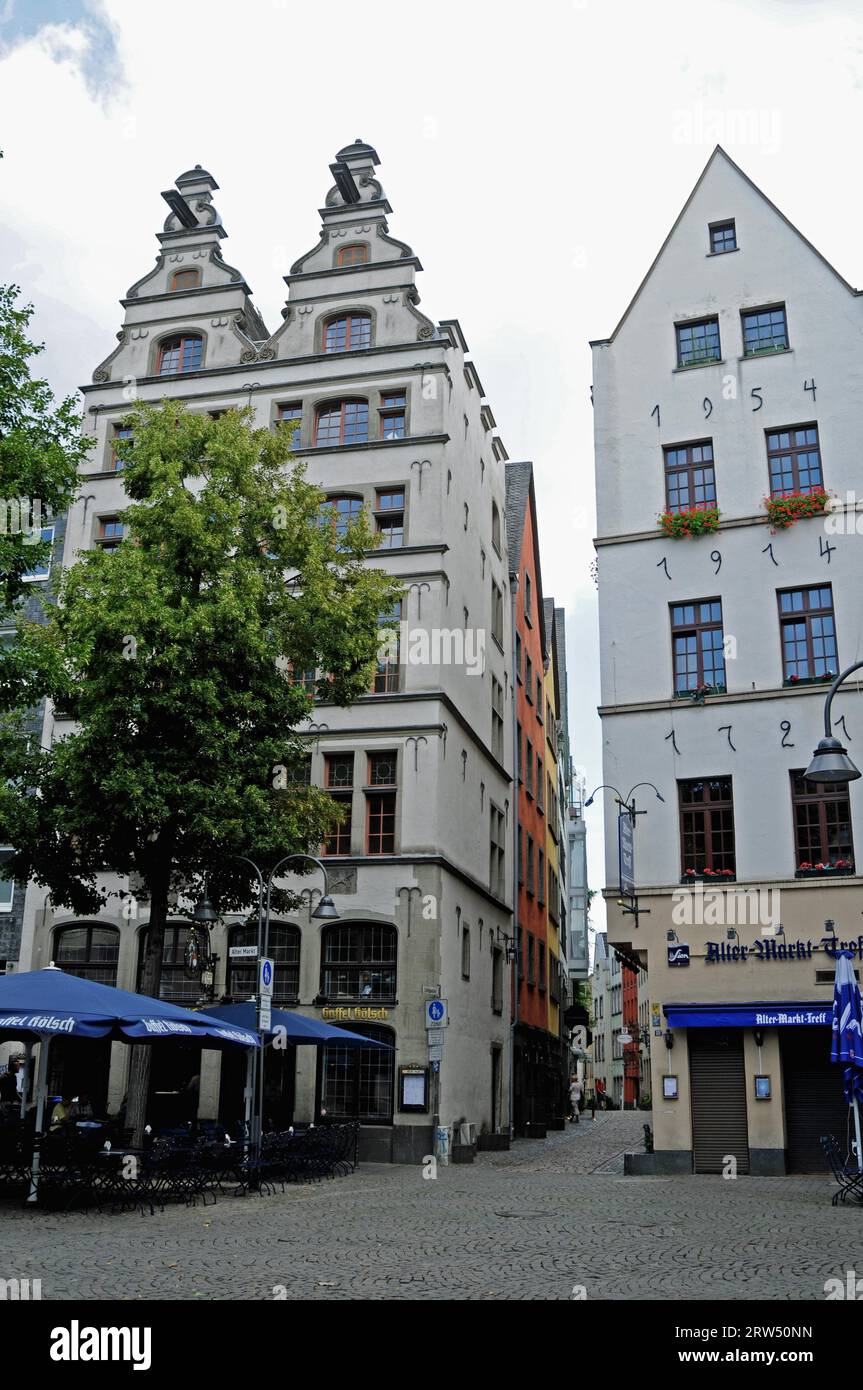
x=89 y=951
x=390 y=517
x=184 y=280
x=120 y=434
x=42 y=569
x=496 y=719
x=176 y=985
x=109 y=532
x=528 y=767
x=540 y=784
x=339 y=511
x=822 y=823
x=358 y=961
x=381 y=804
x=341 y=422
x=540 y=875
x=528 y=679
x=308 y=679
x=764 y=330
x=706 y=826
x=182 y=354
x=347 y=333
x=690 y=480
x=355 y=253
x=291 y=414
x=387 y=677
x=723 y=237
x=698 y=342
x=808 y=634
x=531 y=879
x=794 y=460
x=283 y=948
x=697 y=644
x=495 y=527
x=339 y=839
x=497 y=852
x=392 y=411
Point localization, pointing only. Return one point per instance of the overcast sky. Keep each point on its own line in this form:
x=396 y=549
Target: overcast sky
x=535 y=157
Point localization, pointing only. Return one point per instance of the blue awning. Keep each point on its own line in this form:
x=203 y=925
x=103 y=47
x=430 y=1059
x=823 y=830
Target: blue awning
x=757 y=1015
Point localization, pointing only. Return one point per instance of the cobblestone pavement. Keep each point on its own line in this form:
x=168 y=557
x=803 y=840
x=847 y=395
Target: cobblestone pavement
x=532 y=1223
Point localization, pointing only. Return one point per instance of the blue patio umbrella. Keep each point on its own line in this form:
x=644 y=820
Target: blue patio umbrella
x=847 y=1045
x=293 y=1028
x=39 y=1005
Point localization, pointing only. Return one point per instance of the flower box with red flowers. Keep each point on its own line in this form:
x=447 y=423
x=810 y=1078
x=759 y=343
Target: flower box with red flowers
x=826 y=679
x=786 y=508
x=708 y=876
x=837 y=868
x=694 y=521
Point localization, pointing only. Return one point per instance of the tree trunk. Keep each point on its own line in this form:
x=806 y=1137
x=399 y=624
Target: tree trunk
x=138 y=1089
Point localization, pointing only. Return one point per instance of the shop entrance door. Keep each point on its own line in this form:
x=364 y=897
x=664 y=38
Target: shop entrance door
x=717 y=1079
x=814 y=1100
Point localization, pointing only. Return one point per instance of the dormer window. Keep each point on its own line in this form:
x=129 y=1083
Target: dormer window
x=181 y=354
x=184 y=280
x=348 y=332
x=355 y=254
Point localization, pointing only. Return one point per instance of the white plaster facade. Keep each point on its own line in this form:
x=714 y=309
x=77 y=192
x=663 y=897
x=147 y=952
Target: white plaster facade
x=644 y=401
x=451 y=767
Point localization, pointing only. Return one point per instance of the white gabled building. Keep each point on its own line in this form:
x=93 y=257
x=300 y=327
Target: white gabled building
x=390 y=416
x=735 y=375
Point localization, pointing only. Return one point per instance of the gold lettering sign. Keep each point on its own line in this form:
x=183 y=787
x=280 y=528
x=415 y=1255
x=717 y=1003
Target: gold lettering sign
x=353 y=1013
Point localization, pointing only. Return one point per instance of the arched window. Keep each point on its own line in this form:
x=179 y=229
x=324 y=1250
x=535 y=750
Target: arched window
x=347 y=332
x=182 y=354
x=356 y=1083
x=283 y=947
x=495 y=527
x=357 y=253
x=342 y=422
x=175 y=985
x=340 y=512
x=358 y=961
x=185 y=280
x=88 y=951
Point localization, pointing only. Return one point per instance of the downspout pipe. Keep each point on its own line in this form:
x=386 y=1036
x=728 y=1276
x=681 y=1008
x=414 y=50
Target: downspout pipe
x=513 y=593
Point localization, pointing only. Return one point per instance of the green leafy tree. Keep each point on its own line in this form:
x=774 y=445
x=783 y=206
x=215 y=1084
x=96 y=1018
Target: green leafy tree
x=41 y=449
x=172 y=654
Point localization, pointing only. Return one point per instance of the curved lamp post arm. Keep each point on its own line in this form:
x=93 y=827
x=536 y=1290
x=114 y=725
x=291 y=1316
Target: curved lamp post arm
x=604 y=787
x=652 y=785
x=828 y=725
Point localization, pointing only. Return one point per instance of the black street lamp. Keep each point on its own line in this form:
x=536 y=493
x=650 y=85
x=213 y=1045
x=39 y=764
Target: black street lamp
x=830 y=762
x=627 y=803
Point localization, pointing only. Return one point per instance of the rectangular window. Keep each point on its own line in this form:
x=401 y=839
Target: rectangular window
x=697 y=642
x=388 y=671
x=528 y=600
x=496 y=719
x=497 y=853
x=689 y=477
x=42 y=570
x=465 y=953
x=518 y=662
x=497 y=613
x=7 y=886
x=808 y=634
x=531 y=972
x=822 y=824
x=339 y=839
x=540 y=783
x=109 y=532
x=723 y=237
x=528 y=679
x=764 y=330
x=520 y=856
x=381 y=805
x=518 y=753
x=539 y=699
x=794 y=460
x=390 y=517
x=697 y=342
x=339 y=770
x=531 y=881
x=291 y=412
x=121 y=433
x=540 y=876
x=497 y=981
x=528 y=767
x=307 y=679
x=541 y=973
x=392 y=413
x=707 y=826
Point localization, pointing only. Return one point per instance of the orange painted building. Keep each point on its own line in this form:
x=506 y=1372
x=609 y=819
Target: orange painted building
x=539 y=1097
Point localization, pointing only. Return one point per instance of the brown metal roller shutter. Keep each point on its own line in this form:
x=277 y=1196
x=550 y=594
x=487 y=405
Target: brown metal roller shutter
x=814 y=1102
x=717 y=1081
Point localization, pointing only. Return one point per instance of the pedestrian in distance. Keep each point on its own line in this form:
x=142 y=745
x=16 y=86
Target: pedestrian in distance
x=575 y=1093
